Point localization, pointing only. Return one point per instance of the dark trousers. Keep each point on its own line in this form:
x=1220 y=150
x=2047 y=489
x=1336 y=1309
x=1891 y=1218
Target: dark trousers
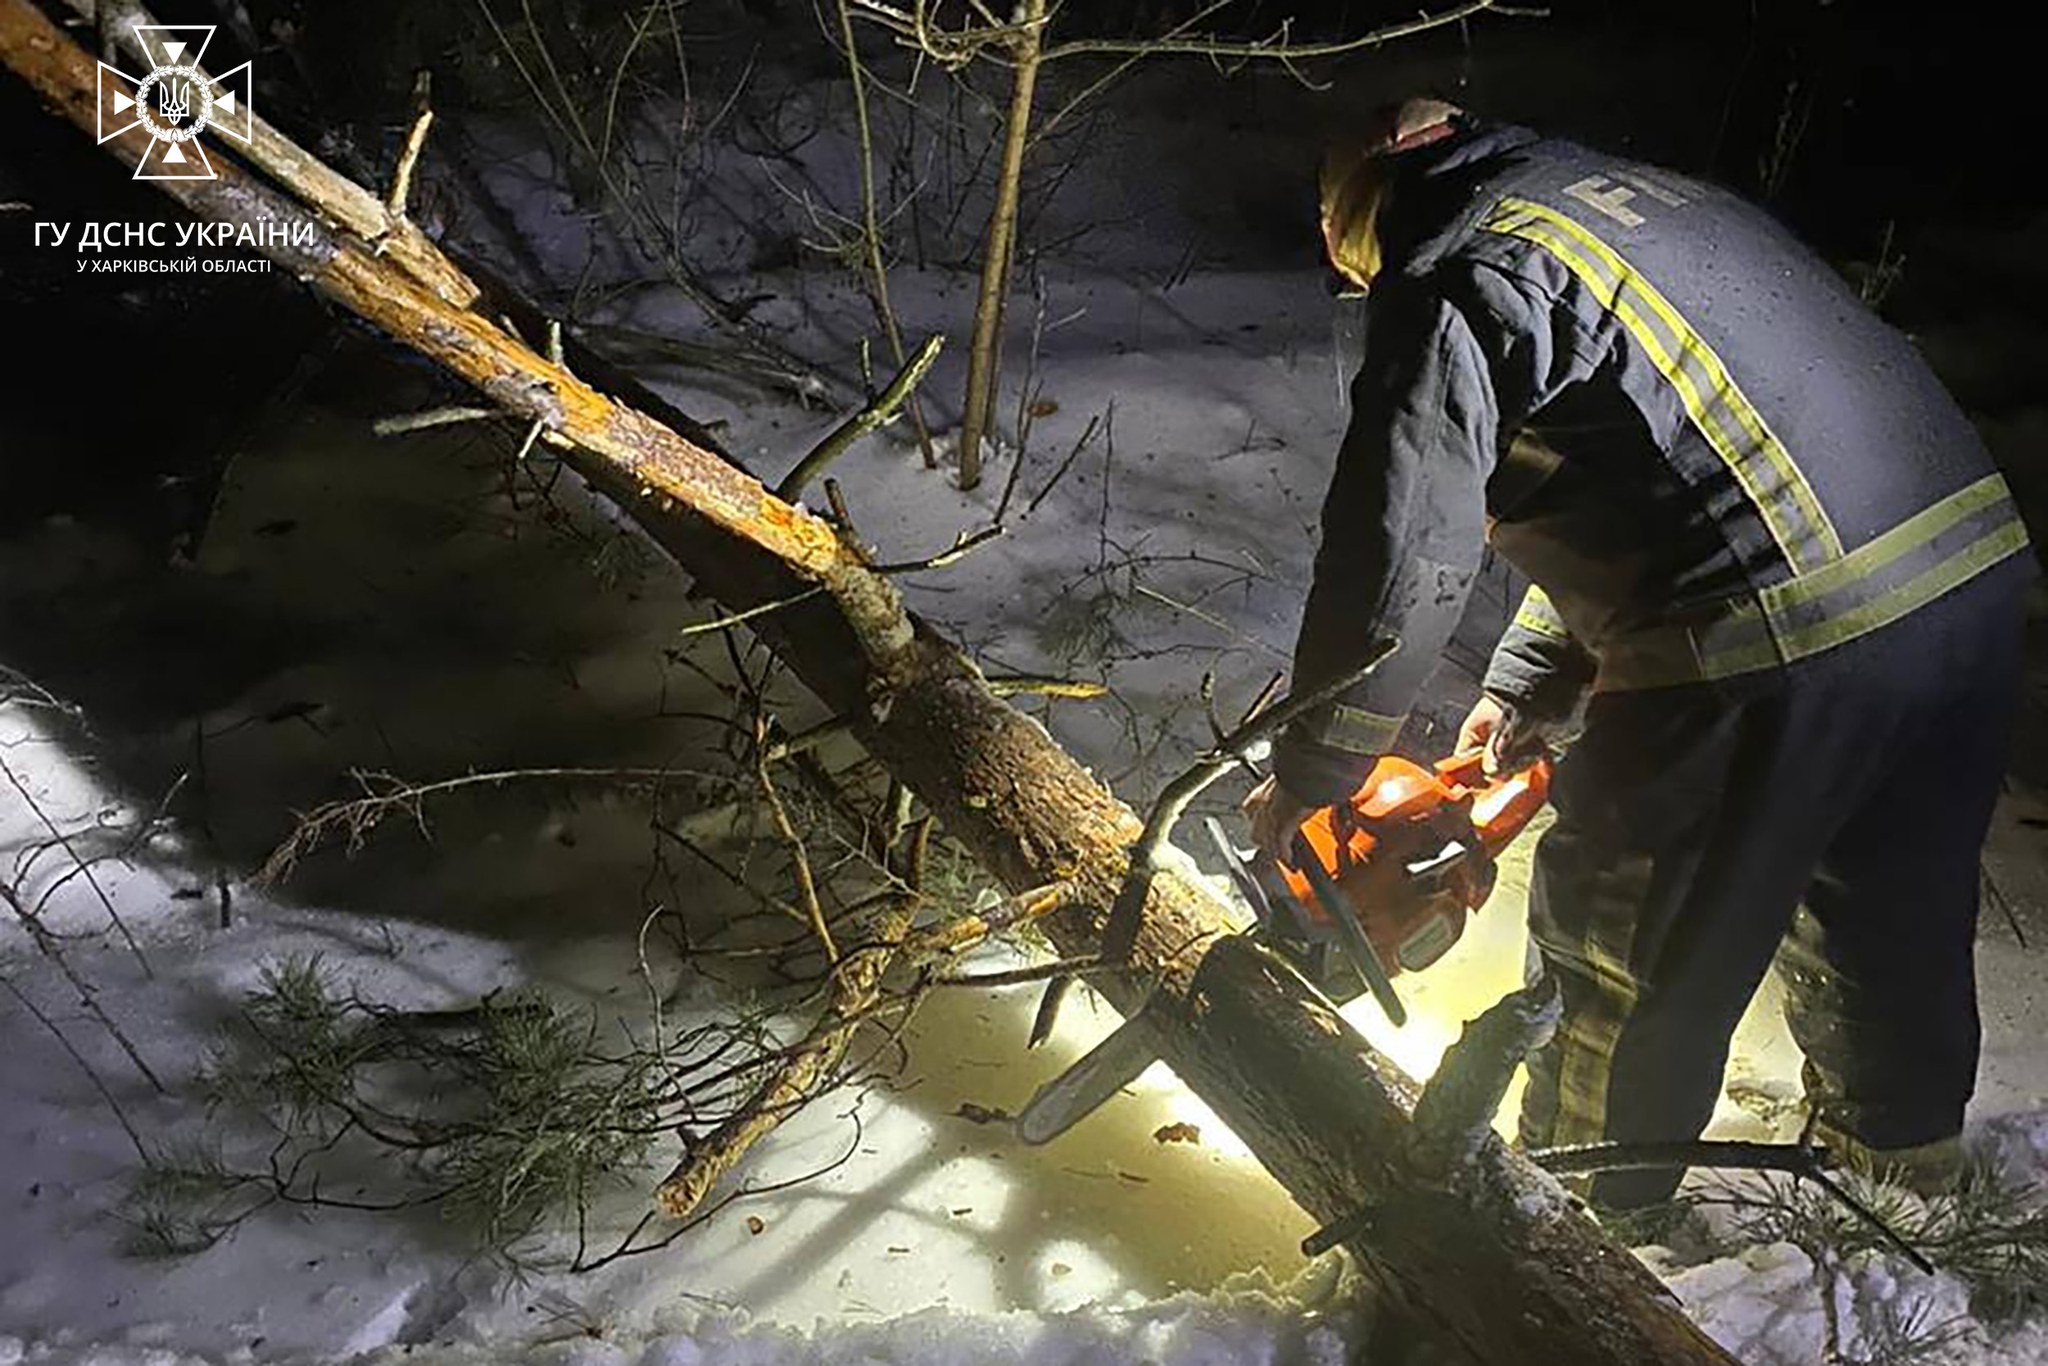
x=1695 y=823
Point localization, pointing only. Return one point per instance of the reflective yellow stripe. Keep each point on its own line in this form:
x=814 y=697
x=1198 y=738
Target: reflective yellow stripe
x=1601 y=993
x=1897 y=572
x=1537 y=615
x=1888 y=546
x=1714 y=403
x=1588 y=1038
x=1359 y=731
x=1889 y=606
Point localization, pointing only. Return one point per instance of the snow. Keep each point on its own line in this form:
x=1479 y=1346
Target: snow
x=421 y=617
x=1767 y=1306
x=422 y=663
x=1771 y=1305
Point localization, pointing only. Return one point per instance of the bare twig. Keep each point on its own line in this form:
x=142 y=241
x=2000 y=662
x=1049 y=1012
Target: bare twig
x=1036 y=685
x=1995 y=894
x=533 y=434
x=963 y=546
x=734 y=876
x=431 y=417
x=969 y=930
x=629 y=1247
x=876 y=414
x=1087 y=437
x=739 y=618
x=46 y=944
x=415 y=143
x=835 y=497
x=1280 y=47
x=852 y=990
x=1078 y=965
x=386 y=794
x=1048 y=126
x=871 y=227
x=1206 y=618
x=804 y=741
x=1029 y=393
x=83 y=865
x=800 y=859
x=202 y=787
x=99 y=1083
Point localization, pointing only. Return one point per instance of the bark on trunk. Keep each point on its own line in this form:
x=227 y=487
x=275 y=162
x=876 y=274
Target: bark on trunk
x=984 y=354
x=1492 y=1254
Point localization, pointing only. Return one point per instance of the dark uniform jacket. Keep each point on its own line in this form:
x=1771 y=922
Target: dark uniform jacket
x=1712 y=459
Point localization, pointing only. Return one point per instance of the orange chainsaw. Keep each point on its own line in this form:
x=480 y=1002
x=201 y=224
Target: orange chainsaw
x=1385 y=880
x=1379 y=883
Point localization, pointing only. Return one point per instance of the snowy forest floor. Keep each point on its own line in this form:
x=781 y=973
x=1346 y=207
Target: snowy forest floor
x=419 y=606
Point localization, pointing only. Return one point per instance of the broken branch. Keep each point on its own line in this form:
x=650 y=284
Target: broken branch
x=799 y=857
x=1277 y=48
x=879 y=412
x=415 y=143
x=429 y=418
x=855 y=982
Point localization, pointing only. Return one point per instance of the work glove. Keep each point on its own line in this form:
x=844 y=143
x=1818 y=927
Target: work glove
x=1511 y=735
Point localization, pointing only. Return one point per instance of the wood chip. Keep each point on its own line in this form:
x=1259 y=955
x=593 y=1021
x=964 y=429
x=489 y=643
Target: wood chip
x=982 y=1114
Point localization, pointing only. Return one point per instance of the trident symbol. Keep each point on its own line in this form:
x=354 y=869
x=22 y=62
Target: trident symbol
x=174 y=99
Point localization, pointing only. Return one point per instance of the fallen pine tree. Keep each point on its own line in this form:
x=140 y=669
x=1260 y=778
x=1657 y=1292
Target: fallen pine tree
x=1482 y=1246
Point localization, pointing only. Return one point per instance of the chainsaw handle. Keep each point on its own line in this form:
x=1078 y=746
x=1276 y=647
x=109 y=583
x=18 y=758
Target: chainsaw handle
x=1466 y=768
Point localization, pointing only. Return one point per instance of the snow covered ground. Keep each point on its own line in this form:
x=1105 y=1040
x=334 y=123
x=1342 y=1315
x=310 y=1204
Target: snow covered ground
x=404 y=605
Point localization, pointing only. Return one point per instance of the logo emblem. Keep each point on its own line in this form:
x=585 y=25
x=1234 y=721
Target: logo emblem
x=175 y=102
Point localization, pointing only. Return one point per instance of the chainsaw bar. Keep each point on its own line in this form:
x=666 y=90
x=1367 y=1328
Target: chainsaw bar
x=1089 y=1084
x=1131 y=1047
x=1350 y=934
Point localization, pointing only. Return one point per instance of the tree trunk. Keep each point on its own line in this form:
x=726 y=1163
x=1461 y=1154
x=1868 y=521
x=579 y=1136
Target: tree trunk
x=1492 y=1253
x=986 y=349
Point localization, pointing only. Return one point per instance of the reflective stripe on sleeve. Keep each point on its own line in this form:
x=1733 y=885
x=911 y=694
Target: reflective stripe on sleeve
x=1537 y=615
x=1358 y=731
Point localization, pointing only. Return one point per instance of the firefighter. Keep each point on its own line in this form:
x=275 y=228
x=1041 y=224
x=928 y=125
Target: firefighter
x=1776 y=575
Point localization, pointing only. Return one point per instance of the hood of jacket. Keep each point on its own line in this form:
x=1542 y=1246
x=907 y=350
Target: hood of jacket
x=1440 y=192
